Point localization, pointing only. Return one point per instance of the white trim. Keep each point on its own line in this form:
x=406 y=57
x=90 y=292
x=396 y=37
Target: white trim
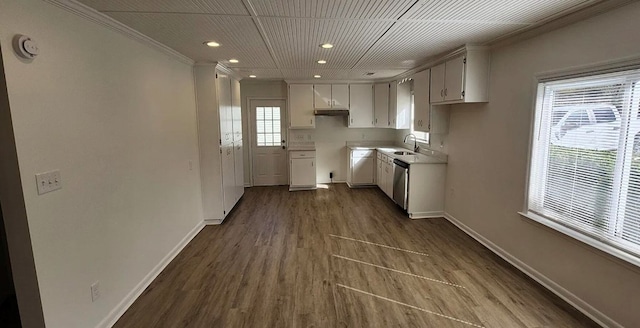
x=131 y=297
x=427 y=215
x=582 y=306
x=603 y=67
x=95 y=16
x=213 y=222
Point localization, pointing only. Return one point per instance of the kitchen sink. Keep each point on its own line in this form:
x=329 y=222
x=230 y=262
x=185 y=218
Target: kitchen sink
x=403 y=153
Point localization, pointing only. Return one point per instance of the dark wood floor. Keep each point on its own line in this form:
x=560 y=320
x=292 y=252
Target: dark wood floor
x=340 y=258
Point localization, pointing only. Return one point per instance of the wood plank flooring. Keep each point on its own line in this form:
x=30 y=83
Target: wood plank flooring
x=339 y=257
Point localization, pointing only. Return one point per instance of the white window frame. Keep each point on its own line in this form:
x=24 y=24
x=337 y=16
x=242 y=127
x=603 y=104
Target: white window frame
x=583 y=71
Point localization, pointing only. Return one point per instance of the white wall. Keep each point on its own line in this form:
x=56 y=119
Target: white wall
x=117 y=118
x=488 y=148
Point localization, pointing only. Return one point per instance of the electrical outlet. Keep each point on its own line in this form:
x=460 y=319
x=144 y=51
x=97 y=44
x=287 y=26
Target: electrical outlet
x=95 y=291
x=48 y=181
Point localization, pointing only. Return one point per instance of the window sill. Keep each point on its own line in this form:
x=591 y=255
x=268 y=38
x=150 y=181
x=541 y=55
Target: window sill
x=590 y=241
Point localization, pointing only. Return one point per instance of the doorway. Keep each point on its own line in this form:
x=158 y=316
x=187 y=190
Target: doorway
x=268 y=142
x=9 y=314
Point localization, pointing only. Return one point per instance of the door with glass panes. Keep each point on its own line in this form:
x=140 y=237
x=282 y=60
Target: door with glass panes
x=268 y=142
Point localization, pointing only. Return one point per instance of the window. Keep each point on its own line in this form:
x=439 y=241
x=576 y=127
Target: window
x=268 y=126
x=584 y=177
x=420 y=136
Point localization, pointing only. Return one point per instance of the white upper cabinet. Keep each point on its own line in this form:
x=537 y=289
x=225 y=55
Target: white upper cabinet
x=340 y=95
x=400 y=108
x=361 y=106
x=381 y=105
x=236 y=110
x=462 y=79
x=225 y=108
x=421 y=106
x=331 y=96
x=301 y=106
x=322 y=96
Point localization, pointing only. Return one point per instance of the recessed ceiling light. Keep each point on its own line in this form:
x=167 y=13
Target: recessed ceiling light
x=317 y=76
x=234 y=61
x=326 y=45
x=212 y=44
x=252 y=76
x=322 y=61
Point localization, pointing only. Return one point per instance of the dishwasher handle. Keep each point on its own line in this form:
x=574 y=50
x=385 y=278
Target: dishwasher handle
x=401 y=163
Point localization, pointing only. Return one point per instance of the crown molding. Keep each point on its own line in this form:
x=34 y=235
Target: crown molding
x=95 y=16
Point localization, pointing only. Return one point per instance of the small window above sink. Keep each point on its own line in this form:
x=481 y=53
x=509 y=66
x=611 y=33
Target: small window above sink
x=403 y=153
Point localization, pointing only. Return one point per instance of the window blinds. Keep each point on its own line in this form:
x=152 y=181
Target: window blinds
x=585 y=164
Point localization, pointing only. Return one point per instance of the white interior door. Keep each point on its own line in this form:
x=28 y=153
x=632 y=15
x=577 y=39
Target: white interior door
x=268 y=143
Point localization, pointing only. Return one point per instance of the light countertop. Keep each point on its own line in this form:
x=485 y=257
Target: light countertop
x=425 y=156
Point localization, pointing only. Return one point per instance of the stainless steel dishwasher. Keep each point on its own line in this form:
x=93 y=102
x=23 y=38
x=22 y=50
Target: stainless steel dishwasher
x=400 y=182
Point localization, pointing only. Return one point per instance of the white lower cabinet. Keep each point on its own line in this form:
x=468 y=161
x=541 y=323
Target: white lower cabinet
x=379 y=171
x=388 y=176
x=239 y=168
x=302 y=168
x=425 y=195
x=229 y=192
x=362 y=168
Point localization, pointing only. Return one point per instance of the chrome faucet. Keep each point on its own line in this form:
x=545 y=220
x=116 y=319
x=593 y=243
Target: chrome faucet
x=415 y=142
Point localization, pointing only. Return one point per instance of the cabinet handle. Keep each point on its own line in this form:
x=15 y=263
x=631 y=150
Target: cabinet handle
x=376 y=121
x=445 y=92
x=442 y=93
x=328 y=102
x=311 y=121
x=351 y=121
x=311 y=163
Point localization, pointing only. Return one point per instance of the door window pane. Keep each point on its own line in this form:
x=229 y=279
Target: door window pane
x=268 y=126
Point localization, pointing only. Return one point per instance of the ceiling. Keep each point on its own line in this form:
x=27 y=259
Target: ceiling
x=279 y=39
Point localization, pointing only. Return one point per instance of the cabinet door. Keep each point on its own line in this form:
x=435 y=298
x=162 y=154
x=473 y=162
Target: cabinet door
x=379 y=174
x=388 y=179
x=363 y=169
x=236 y=111
x=381 y=104
x=361 y=106
x=454 y=79
x=421 y=106
x=322 y=96
x=301 y=106
x=437 y=83
x=228 y=178
x=393 y=96
x=223 y=83
x=303 y=172
x=340 y=96
x=238 y=156
x=402 y=118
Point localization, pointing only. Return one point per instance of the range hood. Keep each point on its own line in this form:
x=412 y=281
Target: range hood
x=331 y=112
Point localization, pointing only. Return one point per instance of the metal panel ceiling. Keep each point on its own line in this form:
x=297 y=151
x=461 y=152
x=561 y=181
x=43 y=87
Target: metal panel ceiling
x=296 y=41
x=359 y=9
x=280 y=38
x=515 y=11
x=340 y=74
x=185 y=33
x=231 y=7
x=408 y=43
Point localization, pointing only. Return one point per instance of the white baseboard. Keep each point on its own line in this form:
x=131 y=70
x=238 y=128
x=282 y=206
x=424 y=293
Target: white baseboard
x=426 y=215
x=122 y=307
x=213 y=222
x=582 y=306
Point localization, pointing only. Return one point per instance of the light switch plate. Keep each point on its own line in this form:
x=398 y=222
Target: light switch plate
x=48 y=181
